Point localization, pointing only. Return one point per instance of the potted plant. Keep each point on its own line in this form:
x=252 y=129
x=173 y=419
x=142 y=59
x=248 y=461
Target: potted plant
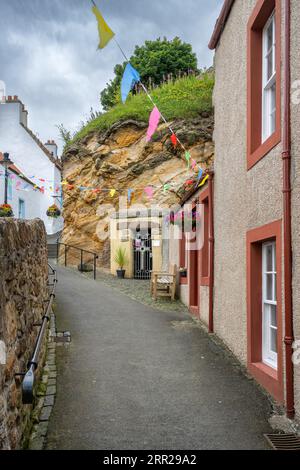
x=121 y=260
x=6 y=210
x=53 y=211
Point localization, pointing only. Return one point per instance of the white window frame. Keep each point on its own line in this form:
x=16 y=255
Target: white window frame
x=269 y=357
x=268 y=84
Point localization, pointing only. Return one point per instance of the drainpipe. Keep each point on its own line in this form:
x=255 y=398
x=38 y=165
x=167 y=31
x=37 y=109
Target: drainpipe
x=211 y=241
x=287 y=222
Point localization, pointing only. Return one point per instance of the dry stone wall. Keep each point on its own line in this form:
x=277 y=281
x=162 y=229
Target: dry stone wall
x=23 y=290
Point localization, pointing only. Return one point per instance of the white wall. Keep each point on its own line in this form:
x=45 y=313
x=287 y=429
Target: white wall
x=31 y=198
x=31 y=160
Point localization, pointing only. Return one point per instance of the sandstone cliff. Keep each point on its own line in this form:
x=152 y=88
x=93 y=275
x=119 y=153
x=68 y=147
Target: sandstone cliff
x=121 y=158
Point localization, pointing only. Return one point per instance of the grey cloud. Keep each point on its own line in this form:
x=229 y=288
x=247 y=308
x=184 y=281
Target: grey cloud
x=49 y=57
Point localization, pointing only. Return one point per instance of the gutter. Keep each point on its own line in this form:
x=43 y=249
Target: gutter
x=211 y=241
x=287 y=219
x=220 y=24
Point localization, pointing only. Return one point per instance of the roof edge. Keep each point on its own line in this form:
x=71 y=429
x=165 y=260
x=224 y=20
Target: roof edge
x=220 y=24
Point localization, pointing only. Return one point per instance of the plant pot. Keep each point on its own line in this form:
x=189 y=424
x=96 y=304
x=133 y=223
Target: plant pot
x=121 y=273
x=183 y=273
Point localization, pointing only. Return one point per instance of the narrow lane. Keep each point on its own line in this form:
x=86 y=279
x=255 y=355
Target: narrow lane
x=138 y=378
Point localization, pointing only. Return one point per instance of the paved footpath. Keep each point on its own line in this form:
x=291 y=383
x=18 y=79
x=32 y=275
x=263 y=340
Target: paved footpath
x=135 y=377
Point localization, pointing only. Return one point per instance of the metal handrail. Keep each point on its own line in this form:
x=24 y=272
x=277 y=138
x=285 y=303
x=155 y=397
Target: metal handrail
x=29 y=377
x=82 y=250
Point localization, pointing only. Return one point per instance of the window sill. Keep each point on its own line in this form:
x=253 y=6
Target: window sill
x=268 y=378
x=263 y=149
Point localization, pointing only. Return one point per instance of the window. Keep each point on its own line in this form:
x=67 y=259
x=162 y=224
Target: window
x=264 y=307
x=269 y=80
x=21 y=211
x=204 y=254
x=269 y=305
x=263 y=80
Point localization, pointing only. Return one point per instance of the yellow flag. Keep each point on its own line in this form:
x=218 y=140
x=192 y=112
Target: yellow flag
x=105 y=33
x=112 y=192
x=204 y=181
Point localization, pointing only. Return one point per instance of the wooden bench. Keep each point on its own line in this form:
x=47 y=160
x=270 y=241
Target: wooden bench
x=163 y=284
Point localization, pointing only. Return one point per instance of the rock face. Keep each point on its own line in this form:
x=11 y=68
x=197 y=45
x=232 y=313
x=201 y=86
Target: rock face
x=23 y=289
x=121 y=159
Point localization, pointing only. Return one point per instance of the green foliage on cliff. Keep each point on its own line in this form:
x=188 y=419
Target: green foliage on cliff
x=154 y=60
x=184 y=99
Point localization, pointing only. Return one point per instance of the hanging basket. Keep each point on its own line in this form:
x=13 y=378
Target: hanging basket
x=53 y=211
x=6 y=210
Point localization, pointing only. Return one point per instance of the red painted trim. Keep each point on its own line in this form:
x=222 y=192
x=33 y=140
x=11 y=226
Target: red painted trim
x=204 y=252
x=182 y=257
x=211 y=253
x=220 y=24
x=256 y=150
x=269 y=378
x=287 y=222
x=183 y=281
x=193 y=275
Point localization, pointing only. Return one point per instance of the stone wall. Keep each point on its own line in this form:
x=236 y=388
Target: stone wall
x=23 y=290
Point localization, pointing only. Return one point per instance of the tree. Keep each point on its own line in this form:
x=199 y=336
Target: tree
x=153 y=60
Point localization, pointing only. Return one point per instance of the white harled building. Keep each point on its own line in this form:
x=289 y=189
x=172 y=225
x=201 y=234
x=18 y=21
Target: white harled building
x=35 y=176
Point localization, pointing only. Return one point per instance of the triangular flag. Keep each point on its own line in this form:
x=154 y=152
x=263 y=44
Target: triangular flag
x=204 y=181
x=129 y=193
x=199 y=176
x=174 y=140
x=149 y=191
x=130 y=78
x=188 y=158
x=105 y=33
x=193 y=164
x=153 y=123
x=166 y=187
x=112 y=192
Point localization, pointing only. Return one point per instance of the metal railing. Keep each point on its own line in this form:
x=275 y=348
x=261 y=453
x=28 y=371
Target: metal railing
x=82 y=251
x=29 y=376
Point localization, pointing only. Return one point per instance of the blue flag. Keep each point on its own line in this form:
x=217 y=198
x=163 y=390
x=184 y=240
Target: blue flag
x=130 y=78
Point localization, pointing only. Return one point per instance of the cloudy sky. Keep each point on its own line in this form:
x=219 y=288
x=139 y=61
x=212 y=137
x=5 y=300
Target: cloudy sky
x=49 y=57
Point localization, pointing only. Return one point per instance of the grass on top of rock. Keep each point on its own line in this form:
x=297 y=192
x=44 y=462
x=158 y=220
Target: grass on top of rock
x=185 y=98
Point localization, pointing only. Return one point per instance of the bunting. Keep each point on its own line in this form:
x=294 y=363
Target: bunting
x=105 y=33
x=153 y=123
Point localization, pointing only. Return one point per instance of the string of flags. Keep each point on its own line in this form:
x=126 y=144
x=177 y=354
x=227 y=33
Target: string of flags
x=130 y=78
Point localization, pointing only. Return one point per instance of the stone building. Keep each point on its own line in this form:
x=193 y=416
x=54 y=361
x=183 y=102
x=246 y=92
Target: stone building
x=256 y=196
x=253 y=227
x=38 y=163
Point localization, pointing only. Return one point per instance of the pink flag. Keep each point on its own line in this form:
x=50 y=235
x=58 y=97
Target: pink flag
x=153 y=123
x=149 y=191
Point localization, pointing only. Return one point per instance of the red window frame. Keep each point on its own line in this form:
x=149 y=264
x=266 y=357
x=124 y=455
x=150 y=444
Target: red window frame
x=269 y=378
x=256 y=149
x=204 y=252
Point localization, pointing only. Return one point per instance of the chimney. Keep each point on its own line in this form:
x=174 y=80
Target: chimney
x=52 y=147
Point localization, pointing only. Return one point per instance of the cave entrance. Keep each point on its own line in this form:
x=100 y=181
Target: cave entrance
x=142 y=253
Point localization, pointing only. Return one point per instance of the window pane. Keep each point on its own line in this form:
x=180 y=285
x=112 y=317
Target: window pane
x=269 y=287
x=269 y=65
x=269 y=258
x=273 y=313
x=275 y=287
x=273 y=340
x=270 y=36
